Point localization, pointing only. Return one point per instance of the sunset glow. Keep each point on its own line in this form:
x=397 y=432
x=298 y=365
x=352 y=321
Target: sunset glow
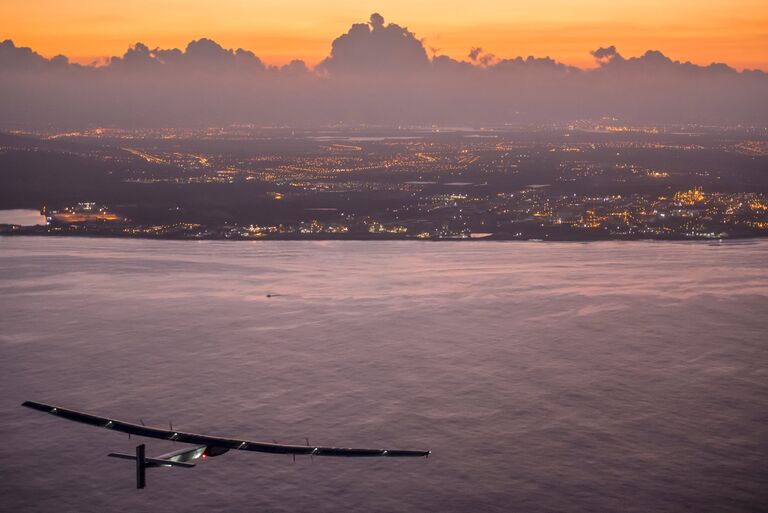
x=700 y=31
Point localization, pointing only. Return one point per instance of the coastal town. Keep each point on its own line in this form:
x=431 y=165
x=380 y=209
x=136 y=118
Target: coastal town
x=575 y=182
x=527 y=214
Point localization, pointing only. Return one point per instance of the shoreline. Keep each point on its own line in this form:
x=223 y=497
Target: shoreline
x=385 y=238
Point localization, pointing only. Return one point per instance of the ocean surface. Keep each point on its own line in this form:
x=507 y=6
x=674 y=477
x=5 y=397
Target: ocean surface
x=545 y=377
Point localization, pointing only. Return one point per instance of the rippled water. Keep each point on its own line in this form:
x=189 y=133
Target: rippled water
x=544 y=377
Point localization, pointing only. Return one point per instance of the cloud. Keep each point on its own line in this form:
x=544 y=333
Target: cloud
x=531 y=64
x=15 y=58
x=296 y=67
x=604 y=54
x=376 y=48
x=203 y=55
x=376 y=72
x=478 y=56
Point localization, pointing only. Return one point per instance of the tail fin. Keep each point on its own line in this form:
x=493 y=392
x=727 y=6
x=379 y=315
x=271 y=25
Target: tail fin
x=143 y=463
x=141 y=467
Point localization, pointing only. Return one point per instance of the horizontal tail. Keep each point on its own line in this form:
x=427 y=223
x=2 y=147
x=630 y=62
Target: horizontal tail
x=152 y=462
x=143 y=463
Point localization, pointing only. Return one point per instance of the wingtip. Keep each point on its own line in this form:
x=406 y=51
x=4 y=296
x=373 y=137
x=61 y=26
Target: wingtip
x=37 y=406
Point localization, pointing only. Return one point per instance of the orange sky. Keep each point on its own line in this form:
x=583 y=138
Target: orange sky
x=703 y=31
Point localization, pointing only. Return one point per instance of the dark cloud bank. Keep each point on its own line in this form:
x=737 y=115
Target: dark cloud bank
x=376 y=73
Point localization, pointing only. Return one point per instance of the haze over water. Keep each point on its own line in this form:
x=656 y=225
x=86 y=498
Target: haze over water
x=612 y=376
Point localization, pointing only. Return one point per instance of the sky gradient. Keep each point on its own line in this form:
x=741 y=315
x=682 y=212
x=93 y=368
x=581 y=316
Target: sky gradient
x=702 y=31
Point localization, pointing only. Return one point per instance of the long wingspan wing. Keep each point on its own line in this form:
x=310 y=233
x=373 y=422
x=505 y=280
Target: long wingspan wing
x=229 y=443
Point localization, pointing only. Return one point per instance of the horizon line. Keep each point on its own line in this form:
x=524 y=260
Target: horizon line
x=104 y=61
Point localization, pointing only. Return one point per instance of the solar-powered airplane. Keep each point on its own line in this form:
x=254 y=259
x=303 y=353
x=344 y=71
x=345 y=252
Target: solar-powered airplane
x=204 y=445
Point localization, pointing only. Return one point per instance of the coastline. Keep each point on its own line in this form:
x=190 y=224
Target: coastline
x=499 y=237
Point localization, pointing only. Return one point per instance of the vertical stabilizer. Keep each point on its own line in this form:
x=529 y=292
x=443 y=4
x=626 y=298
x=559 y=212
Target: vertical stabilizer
x=141 y=467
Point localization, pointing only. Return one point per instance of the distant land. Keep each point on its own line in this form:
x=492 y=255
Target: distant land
x=586 y=180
